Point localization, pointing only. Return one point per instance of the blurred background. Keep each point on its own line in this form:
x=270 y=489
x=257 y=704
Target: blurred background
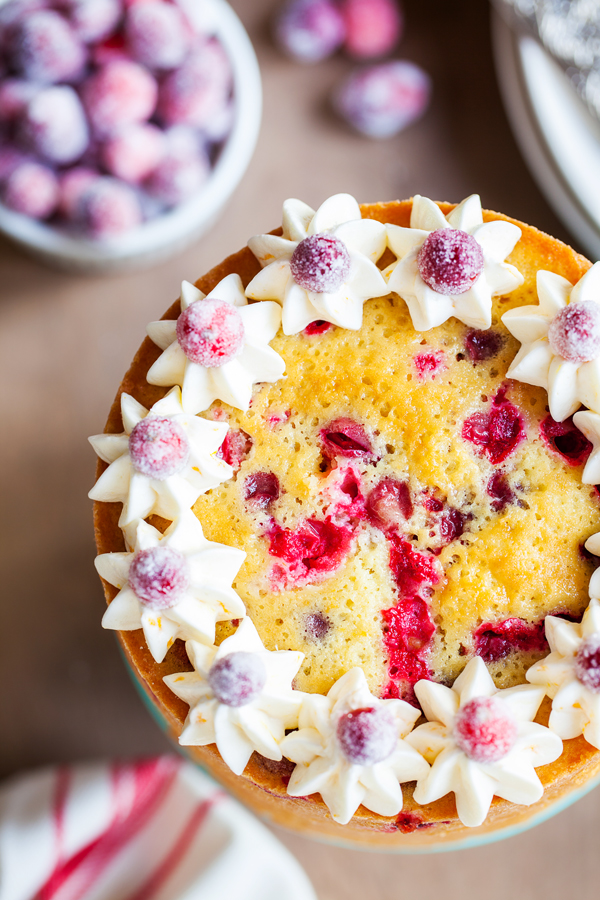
x=67 y=338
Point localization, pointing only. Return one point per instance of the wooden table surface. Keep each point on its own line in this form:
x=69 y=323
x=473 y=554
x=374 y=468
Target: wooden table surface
x=65 y=342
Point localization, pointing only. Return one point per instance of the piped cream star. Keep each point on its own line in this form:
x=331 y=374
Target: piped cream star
x=510 y=746
x=232 y=381
x=427 y=307
x=364 y=240
x=379 y=759
x=564 y=674
x=569 y=384
x=193 y=472
x=589 y=424
x=240 y=696
x=181 y=569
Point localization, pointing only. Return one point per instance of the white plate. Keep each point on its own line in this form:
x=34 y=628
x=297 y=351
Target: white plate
x=558 y=136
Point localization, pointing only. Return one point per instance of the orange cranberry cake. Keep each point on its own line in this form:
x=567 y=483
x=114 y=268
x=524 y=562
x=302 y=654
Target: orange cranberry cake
x=346 y=511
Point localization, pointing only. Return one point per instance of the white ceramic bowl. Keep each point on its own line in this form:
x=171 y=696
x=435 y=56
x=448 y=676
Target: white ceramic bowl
x=170 y=233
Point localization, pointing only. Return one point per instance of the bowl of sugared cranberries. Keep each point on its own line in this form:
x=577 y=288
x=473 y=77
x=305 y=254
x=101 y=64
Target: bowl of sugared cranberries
x=125 y=125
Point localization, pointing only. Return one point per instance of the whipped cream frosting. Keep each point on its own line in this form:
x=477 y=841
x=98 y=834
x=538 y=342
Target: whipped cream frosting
x=569 y=384
x=365 y=241
x=141 y=494
x=427 y=307
x=238 y=731
x=323 y=767
x=589 y=424
x=575 y=708
x=207 y=597
x=231 y=382
x=474 y=783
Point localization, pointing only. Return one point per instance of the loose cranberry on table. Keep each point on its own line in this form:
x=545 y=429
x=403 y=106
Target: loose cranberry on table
x=382 y=100
x=310 y=30
x=373 y=27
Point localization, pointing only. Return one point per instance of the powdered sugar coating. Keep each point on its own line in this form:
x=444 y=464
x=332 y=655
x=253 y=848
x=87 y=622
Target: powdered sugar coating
x=54 y=125
x=237 y=678
x=158 y=447
x=46 y=49
x=159 y=576
x=574 y=332
x=31 y=189
x=15 y=94
x=195 y=92
x=485 y=729
x=73 y=184
x=119 y=94
x=135 y=152
x=310 y=30
x=156 y=34
x=178 y=176
x=450 y=261
x=210 y=332
x=587 y=663
x=320 y=263
x=92 y=20
x=367 y=736
x=108 y=208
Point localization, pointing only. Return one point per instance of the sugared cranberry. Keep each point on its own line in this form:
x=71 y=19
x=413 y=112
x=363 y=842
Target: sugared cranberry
x=346 y=438
x=210 y=332
x=587 y=663
x=485 y=729
x=159 y=576
x=176 y=178
x=500 y=491
x=373 y=27
x=450 y=261
x=389 y=504
x=574 y=332
x=310 y=30
x=567 y=440
x=320 y=263
x=73 y=185
x=157 y=34
x=482 y=345
x=261 y=488
x=497 y=432
x=113 y=48
x=92 y=20
x=134 y=153
x=316 y=626
x=54 y=125
x=46 y=49
x=31 y=189
x=194 y=93
x=494 y=641
x=381 y=100
x=367 y=736
x=15 y=94
x=158 y=447
x=108 y=208
x=10 y=158
x=318 y=327
x=235 y=448
x=121 y=93
x=238 y=678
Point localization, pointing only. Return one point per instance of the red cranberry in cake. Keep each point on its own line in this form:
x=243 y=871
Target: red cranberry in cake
x=158 y=447
x=367 y=736
x=411 y=570
x=320 y=263
x=587 y=663
x=452 y=524
x=314 y=545
x=450 y=261
x=567 y=440
x=235 y=448
x=159 y=576
x=429 y=363
x=574 y=332
x=261 y=488
x=210 y=332
x=316 y=626
x=497 y=432
x=495 y=641
x=237 y=678
x=318 y=327
x=485 y=729
x=389 y=503
x=483 y=345
x=500 y=491
x=343 y=437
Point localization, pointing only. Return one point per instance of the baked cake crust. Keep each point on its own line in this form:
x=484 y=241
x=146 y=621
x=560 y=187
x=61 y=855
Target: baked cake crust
x=263 y=785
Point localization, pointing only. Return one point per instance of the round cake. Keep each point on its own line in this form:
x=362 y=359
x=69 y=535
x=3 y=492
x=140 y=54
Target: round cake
x=344 y=498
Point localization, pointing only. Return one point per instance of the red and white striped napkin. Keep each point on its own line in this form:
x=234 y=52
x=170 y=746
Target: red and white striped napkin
x=157 y=829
